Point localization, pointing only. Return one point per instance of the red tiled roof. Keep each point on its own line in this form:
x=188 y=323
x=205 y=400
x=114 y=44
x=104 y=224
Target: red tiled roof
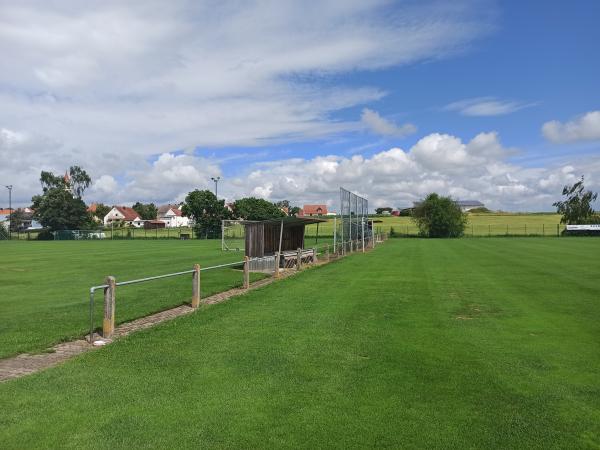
x=4 y=212
x=92 y=208
x=165 y=209
x=315 y=210
x=129 y=214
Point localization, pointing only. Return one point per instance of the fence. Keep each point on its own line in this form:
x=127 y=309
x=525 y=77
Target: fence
x=491 y=230
x=270 y=264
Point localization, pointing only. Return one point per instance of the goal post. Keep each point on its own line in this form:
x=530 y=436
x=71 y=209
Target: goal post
x=233 y=236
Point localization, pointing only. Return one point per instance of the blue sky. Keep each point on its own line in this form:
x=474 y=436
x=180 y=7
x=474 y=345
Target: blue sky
x=497 y=101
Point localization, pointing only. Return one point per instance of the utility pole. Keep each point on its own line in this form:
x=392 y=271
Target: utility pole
x=10 y=218
x=216 y=180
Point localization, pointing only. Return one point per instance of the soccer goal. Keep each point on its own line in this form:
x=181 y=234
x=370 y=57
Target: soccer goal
x=232 y=235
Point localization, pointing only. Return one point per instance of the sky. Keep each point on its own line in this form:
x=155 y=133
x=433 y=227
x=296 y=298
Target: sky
x=480 y=100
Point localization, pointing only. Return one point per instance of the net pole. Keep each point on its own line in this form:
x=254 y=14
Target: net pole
x=222 y=235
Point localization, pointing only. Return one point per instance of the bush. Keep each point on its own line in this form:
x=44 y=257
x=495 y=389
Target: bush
x=439 y=217
x=3 y=232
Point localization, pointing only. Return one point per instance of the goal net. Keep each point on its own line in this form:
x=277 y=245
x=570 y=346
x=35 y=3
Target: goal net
x=232 y=235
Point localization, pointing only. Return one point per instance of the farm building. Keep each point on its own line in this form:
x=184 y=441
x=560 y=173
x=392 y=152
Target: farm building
x=267 y=237
x=467 y=205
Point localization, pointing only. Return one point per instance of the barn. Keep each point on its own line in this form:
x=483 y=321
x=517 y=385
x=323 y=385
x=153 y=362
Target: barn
x=268 y=237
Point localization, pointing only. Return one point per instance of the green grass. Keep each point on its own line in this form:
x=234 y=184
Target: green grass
x=487 y=343
x=45 y=285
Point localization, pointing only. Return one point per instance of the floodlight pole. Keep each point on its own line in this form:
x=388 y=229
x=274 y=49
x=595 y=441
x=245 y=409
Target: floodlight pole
x=216 y=180
x=10 y=211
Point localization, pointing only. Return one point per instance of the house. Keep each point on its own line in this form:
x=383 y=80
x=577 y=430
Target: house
x=313 y=210
x=123 y=214
x=467 y=205
x=26 y=221
x=172 y=216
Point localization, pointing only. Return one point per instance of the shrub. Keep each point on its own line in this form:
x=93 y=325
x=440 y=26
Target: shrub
x=438 y=216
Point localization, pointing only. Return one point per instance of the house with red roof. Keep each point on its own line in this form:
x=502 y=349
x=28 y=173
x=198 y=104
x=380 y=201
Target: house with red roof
x=123 y=214
x=313 y=210
x=172 y=216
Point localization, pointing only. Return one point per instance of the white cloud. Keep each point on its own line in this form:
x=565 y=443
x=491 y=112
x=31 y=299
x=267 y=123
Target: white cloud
x=477 y=169
x=109 y=84
x=583 y=128
x=486 y=106
x=384 y=127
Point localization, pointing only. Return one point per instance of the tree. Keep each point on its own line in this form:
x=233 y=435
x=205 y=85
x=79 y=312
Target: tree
x=294 y=211
x=438 y=216
x=207 y=212
x=252 y=208
x=59 y=208
x=146 y=211
x=79 y=180
x=102 y=210
x=380 y=211
x=577 y=208
x=16 y=220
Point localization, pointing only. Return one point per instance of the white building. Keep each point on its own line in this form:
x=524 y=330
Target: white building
x=172 y=216
x=123 y=214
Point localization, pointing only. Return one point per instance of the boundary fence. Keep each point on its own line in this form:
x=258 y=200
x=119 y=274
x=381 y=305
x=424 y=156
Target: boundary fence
x=491 y=230
x=272 y=265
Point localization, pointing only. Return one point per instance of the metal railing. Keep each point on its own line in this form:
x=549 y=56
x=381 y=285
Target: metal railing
x=93 y=289
x=258 y=264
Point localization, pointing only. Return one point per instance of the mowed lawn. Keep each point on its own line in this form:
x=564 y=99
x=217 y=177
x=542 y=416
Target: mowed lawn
x=470 y=343
x=44 y=286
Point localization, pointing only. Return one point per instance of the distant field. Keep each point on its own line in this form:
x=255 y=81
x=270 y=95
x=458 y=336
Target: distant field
x=466 y=343
x=44 y=292
x=478 y=225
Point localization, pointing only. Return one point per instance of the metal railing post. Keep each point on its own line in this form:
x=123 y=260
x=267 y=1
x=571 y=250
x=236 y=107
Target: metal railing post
x=108 y=325
x=327 y=252
x=246 y=272
x=196 y=286
x=314 y=255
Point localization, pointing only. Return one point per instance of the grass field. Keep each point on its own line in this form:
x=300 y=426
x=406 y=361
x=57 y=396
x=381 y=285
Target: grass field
x=486 y=343
x=45 y=285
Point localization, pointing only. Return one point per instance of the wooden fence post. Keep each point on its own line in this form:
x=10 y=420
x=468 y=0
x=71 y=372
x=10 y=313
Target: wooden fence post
x=196 y=286
x=108 y=324
x=299 y=259
x=277 y=262
x=246 y=272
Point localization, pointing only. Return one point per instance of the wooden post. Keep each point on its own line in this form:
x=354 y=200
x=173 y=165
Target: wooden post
x=108 y=325
x=196 y=286
x=246 y=272
x=299 y=259
x=277 y=262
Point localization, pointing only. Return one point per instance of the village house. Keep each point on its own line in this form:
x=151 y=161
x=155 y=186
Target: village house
x=313 y=210
x=172 y=216
x=123 y=214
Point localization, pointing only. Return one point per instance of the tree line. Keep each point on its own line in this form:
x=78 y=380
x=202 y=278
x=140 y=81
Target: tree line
x=60 y=207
